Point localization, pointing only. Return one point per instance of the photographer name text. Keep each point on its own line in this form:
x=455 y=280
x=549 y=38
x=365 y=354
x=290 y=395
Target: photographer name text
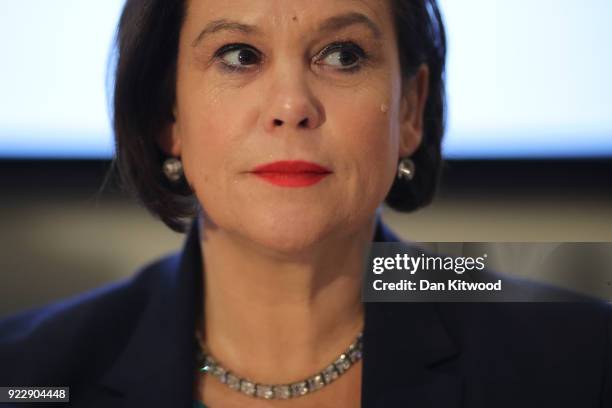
x=426 y=285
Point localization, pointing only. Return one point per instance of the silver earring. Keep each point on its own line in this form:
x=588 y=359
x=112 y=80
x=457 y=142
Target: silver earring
x=173 y=169
x=405 y=169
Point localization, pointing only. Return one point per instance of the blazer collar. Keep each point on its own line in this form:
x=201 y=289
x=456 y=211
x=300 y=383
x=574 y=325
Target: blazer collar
x=157 y=366
x=406 y=346
x=403 y=342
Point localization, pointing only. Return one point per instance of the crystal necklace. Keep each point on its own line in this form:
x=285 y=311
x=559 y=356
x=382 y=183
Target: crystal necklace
x=208 y=365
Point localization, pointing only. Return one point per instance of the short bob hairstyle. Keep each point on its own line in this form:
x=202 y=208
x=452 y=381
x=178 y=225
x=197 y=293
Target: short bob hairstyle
x=144 y=96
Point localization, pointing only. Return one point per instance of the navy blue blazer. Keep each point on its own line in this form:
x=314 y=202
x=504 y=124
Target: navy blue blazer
x=131 y=344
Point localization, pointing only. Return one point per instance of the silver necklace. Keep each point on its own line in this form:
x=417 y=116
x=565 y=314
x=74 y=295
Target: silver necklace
x=208 y=365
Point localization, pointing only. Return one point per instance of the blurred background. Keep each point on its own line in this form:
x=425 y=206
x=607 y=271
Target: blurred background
x=528 y=146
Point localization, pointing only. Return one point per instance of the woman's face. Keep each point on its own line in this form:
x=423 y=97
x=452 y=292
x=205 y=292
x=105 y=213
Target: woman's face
x=319 y=81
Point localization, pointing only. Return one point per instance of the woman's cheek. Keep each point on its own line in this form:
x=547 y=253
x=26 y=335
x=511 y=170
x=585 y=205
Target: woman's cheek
x=201 y=159
x=374 y=138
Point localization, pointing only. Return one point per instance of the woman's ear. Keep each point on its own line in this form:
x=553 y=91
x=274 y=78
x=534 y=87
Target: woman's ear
x=169 y=140
x=414 y=98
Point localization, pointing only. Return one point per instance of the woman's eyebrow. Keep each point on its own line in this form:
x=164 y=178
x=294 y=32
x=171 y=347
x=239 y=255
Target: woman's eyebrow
x=341 y=21
x=224 y=24
x=330 y=24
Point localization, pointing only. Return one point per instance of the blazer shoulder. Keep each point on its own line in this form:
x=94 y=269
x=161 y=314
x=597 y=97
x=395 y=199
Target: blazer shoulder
x=81 y=334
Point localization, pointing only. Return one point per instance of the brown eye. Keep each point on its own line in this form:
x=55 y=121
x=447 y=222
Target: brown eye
x=238 y=56
x=345 y=56
x=341 y=58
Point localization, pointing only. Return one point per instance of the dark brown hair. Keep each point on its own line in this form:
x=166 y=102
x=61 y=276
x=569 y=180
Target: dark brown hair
x=144 y=96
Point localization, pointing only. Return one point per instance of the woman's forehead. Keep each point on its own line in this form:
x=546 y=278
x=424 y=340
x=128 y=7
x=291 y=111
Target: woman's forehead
x=260 y=16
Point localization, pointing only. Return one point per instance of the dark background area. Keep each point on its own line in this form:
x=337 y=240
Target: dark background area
x=61 y=234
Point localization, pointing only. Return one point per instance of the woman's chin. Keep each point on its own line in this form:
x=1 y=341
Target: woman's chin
x=289 y=236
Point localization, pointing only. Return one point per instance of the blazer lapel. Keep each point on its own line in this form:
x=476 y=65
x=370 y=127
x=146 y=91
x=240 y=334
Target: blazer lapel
x=405 y=348
x=157 y=366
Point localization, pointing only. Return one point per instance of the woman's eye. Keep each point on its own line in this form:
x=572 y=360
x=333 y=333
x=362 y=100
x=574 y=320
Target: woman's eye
x=237 y=56
x=343 y=56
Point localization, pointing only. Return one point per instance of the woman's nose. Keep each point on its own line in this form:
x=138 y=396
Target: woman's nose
x=291 y=105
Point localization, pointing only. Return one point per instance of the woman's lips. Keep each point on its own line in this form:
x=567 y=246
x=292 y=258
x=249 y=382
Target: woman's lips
x=294 y=173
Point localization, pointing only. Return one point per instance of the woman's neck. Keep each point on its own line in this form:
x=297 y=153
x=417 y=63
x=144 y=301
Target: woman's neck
x=281 y=318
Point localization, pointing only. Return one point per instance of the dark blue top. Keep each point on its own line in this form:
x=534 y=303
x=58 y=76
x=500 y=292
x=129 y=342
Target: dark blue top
x=131 y=344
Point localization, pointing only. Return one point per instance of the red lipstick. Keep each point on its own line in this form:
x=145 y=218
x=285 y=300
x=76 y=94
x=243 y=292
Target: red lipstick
x=296 y=173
